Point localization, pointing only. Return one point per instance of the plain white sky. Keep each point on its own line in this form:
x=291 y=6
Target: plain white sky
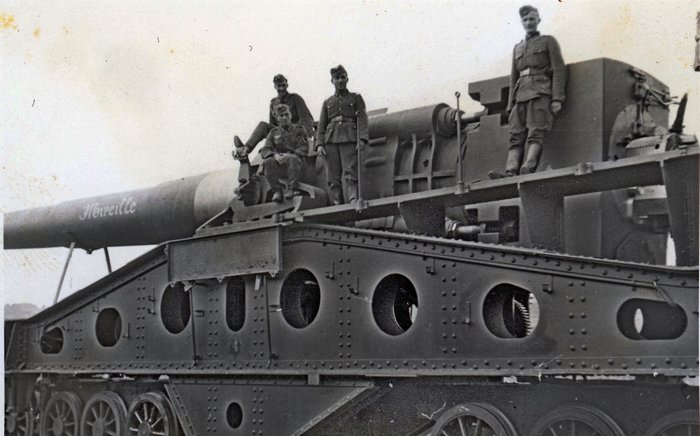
x=102 y=97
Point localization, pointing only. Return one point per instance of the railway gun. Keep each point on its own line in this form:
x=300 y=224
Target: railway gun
x=441 y=302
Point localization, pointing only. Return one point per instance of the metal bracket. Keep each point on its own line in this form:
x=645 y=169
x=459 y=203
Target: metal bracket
x=430 y=269
x=313 y=379
x=468 y=317
x=331 y=274
x=661 y=292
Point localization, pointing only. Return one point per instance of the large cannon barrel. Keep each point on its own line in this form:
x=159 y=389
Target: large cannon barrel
x=167 y=211
x=438 y=118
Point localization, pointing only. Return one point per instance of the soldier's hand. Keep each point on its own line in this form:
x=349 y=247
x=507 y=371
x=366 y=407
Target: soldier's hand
x=321 y=150
x=555 y=107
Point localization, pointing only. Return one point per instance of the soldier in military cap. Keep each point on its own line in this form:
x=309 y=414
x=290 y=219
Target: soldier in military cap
x=285 y=147
x=343 y=118
x=537 y=81
x=300 y=115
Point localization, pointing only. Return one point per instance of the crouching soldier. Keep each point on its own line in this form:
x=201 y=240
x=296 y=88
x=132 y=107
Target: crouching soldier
x=283 y=154
x=297 y=106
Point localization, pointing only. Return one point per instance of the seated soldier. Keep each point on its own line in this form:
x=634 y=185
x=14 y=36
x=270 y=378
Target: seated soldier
x=285 y=147
x=297 y=106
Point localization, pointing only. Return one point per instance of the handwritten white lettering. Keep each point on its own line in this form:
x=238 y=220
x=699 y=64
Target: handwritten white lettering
x=95 y=209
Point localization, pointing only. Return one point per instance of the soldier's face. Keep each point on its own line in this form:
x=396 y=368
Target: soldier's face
x=340 y=81
x=281 y=87
x=285 y=119
x=530 y=22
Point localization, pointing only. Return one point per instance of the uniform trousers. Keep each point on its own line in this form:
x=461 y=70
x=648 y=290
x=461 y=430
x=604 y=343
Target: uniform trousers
x=342 y=162
x=260 y=133
x=279 y=166
x=529 y=121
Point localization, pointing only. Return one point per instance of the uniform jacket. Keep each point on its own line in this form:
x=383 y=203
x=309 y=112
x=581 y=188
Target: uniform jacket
x=300 y=113
x=538 y=69
x=341 y=115
x=281 y=140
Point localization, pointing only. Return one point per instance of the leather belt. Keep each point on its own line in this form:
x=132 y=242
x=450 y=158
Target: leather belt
x=340 y=119
x=531 y=72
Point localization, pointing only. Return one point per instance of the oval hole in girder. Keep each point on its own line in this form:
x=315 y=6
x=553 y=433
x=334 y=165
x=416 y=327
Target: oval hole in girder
x=108 y=327
x=395 y=304
x=234 y=415
x=175 y=308
x=641 y=319
x=511 y=311
x=235 y=303
x=52 y=341
x=300 y=298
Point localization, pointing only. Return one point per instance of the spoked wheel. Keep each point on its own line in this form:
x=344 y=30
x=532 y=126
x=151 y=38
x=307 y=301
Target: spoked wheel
x=19 y=423
x=151 y=414
x=473 y=420
x=104 y=415
x=61 y=415
x=681 y=423
x=577 y=421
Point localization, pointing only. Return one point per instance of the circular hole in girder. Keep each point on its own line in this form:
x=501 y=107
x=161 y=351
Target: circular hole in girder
x=235 y=303
x=52 y=341
x=108 y=327
x=395 y=304
x=175 y=308
x=234 y=415
x=300 y=298
x=641 y=319
x=511 y=311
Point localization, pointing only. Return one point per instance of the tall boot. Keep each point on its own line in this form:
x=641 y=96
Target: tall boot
x=240 y=151
x=534 y=152
x=336 y=194
x=352 y=192
x=515 y=156
x=237 y=142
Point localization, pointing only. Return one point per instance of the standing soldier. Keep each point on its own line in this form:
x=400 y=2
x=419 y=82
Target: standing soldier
x=343 y=118
x=297 y=106
x=537 y=81
x=285 y=148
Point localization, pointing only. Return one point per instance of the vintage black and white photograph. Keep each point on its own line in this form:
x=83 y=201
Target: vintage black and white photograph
x=378 y=217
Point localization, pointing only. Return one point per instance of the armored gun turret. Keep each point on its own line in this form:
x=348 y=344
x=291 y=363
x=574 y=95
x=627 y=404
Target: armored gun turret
x=554 y=312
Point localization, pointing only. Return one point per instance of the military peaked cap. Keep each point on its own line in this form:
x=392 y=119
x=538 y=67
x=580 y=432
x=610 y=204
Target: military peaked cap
x=524 y=10
x=279 y=79
x=338 y=70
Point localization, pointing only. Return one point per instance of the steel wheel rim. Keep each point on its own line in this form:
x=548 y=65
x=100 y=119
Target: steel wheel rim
x=104 y=415
x=681 y=423
x=572 y=427
x=19 y=424
x=467 y=426
x=683 y=429
x=150 y=415
x=577 y=421
x=473 y=420
x=61 y=415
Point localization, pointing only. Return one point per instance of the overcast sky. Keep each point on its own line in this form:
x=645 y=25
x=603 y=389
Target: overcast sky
x=101 y=97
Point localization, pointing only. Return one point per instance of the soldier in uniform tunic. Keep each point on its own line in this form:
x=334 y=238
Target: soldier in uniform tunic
x=285 y=147
x=300 y=115
x=343 y=118
x=537 y=81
